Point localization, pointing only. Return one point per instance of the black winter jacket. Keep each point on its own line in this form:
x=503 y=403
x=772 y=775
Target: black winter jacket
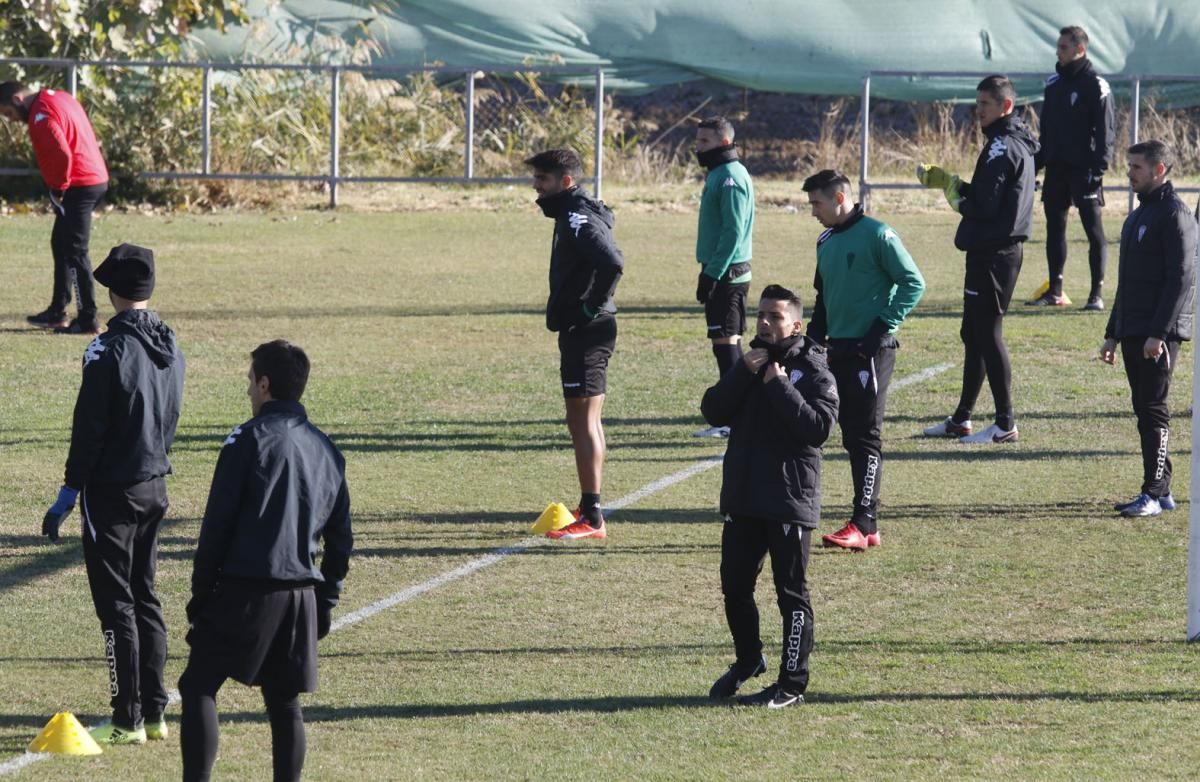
x=1156 y=279
x=772 y=464
x=1078 y=124
x=128 y=404
x=585 y=262
x=279 y=487
x=997 y=204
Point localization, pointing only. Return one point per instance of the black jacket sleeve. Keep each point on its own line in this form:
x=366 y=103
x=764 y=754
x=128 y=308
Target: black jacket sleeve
x=983 y=197
x=818 y=324
x=722 y=401
x=234 y=464
x=807 y=421
x=1103 y=128
x=596 y=244
x=339 y=541
x=1179 y=259
x=92 y=417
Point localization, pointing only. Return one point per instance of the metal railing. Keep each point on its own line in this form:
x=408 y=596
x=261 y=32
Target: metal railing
x=334 y=178
x=865 y=186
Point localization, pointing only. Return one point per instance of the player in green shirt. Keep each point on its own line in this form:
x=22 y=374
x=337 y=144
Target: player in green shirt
x=866 y=284
x=723 y=245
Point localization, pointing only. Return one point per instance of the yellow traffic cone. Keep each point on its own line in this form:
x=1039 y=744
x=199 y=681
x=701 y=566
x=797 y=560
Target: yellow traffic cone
x=1041 y=290
x=64 y=735
x=555 y=516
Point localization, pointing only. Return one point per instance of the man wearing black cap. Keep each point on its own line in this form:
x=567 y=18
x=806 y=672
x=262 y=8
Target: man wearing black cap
x=124 y=425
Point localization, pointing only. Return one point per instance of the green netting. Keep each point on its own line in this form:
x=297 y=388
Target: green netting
x=775 y=45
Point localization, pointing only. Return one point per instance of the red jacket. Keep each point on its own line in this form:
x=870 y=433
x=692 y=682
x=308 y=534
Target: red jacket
x=64 y=142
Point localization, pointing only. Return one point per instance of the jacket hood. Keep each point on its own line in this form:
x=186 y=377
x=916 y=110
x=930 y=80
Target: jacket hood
x=1074 y=68
x=1013 y=126
x=792 y=347
x=576 y=199
x=146 y=327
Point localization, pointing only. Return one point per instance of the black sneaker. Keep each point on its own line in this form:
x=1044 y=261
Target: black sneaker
x=1094 y=304
x=77 y=326
x=735 y=677
x=48 y=319
x=774 y=697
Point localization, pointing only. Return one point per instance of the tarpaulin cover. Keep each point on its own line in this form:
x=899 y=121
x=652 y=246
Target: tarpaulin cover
x=774 y=45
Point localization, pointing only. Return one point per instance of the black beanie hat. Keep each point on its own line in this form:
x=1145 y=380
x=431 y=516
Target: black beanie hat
x=128 y=271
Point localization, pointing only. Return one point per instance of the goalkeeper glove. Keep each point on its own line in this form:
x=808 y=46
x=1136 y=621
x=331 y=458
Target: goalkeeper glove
x=953 y=192
x=59 y=511
x=934 y=177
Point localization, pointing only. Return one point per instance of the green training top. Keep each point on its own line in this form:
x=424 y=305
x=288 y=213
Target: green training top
x=863 y=274
x=726 y=220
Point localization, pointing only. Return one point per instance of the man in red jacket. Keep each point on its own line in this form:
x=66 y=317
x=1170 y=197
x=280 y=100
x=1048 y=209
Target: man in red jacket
x=74 y=171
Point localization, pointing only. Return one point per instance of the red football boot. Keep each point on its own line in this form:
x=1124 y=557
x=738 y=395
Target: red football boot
x=847 y=537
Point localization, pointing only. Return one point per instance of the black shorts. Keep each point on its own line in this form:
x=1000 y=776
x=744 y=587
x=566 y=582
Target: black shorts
x=725 y=311
x=991 y=279
x=261 y=635
x=583 y=357
x=1062 y=187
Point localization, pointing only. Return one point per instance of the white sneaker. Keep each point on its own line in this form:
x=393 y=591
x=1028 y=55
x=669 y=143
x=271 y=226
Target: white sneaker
x=713 y=431
x=993 y=434
x=948 y=428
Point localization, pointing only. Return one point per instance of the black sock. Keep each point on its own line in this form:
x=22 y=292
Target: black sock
x=589 y=508
x=727 y=356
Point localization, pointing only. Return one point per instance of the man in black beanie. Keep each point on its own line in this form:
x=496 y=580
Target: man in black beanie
x=124 y=425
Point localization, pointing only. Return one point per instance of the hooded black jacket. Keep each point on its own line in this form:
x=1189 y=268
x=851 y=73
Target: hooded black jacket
x=279 y=487
x=772 y=464
x=1156 y=279
x=1078 y=124
x=128 y=404
x=997 y=204
x=585 y=262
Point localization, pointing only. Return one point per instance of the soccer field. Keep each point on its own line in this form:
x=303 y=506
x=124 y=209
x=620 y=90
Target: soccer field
x=1010 y=626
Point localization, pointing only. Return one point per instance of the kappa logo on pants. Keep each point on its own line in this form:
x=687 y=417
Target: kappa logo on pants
x=110 y=653
x=793 y=641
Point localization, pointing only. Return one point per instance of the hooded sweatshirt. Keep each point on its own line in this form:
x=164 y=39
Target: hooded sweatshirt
x=997 y=204
x=128 y=404
x=585 y=262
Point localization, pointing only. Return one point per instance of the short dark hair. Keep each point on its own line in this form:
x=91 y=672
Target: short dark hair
x=563 y=162
x=285 y=365
x=1154 y=151
x=780 y=293
x=10 y=90
x=999 y=87
x=1077 y=34
x=828 y=182
x=722 y=126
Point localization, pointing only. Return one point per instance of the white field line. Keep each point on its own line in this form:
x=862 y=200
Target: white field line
x=403 y=596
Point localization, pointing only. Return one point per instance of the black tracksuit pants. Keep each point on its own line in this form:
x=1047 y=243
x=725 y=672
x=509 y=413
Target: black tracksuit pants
x=862 y=385
x=120 y=550
x=69 y=241
x=745 y=543
x=1149 y=382
x=1061 y=188
x=990 y=281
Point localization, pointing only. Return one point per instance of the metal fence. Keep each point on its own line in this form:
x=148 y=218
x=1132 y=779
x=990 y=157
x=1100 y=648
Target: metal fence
x=866 y=186
x=334 y=177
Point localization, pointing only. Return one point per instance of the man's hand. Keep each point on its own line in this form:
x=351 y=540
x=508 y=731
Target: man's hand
x=773 y=371
x=56 y=200
x=934 y=177
x=704 y=287
x=1153 y=348
x=755 y=359
x=583 y=316
x=59 y=511
x=1108 y=351
x=324 y=621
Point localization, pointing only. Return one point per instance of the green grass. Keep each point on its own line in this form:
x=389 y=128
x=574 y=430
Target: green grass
x=1010 y=626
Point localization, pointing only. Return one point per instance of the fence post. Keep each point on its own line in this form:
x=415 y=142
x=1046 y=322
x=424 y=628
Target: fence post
x=599 y=140
x=334 y=110
x=73 y=79
x=1135 y=117
x=864 y=150
x=206 y=120
x=469 y=150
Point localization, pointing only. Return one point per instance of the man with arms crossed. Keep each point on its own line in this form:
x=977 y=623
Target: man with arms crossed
x=585 y=265
x=866 y=285
x=723 y=245
x=1152 y=313
x=779 y=401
